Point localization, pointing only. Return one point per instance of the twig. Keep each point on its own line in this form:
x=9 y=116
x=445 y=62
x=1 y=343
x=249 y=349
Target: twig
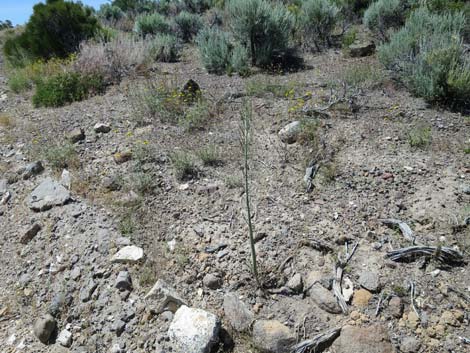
x=281 y=266
x=339 y=267
x=315 y=244
x=412 y=295
x=315 y=342
x=404 y=228
x=442 y=254
x=381 y=301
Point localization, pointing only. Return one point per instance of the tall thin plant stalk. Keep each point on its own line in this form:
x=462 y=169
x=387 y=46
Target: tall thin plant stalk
x=245 y=139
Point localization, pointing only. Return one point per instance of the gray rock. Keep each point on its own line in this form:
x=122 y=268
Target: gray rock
x=296 y=283
x=123 y=281
x=371 y=339
x=237 y=312
x=75 y=273
x=44 y=328
x=290 y=133
x=111 y=183
x=163 y=297
x=128 y=254
x=64 y=338
x=194 y=330
x=102 y=128
x=465 y=189
x=3 y=186
x=76 y=135
x=47 y=195
x=30 y=233
x=57 y=303
x=32 y=169
x=370 y=281
x=87 y=291
x=324 y=298
x=66 y=179
x=271 y=336
x=118 y=326
x=361 y=49
x=212 y=281
x=410 y=345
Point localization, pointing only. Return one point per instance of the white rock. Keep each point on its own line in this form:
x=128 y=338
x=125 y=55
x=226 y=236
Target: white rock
x=194 y=330
x=65 y=179
x=290 y=132
x=348 y=289
x=64 y=338
x=128 y=254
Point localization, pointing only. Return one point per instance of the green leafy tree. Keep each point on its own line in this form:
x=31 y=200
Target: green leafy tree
x=55 y=29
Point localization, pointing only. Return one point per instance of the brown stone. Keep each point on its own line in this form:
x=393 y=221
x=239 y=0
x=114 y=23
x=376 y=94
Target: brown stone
x=361 y=298
x=371 y=339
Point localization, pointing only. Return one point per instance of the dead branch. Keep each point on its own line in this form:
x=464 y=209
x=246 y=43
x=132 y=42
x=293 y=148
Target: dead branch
x=459 y=293
x=310 y=173
x=339 y=267
x=404 y=228
x=442 y=254
x=314 y=343
x=412 y=298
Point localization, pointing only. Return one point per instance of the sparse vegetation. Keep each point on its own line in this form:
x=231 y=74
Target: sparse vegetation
x=60 y=156
x=363 y=75
x=210 y=155
x=151 y=24
x=188 y=25
x=184 y=166
x=165 y=48
x=196 y=116
x=420 y=136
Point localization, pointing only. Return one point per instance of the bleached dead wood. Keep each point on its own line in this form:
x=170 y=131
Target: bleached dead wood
x=339 y=267
x=315 y=343
x=442 y=254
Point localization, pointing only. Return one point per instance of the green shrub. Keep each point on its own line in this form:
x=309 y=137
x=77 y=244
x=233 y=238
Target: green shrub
x=188 y=25
x=54 y=30
x=184 y=165
x=19 y=81
x=196 y=116
x=151 y=24
x=110 y=13
x=165 y=48
x=349 y=38
x=240 y=60
x=215 y=50
x=429 y=57
x=262 y=27
x=60 y=156
x=135 y=6
x=210 y=156
x=383 y=15
x=197 y=6
x=5 y=24
x=420 y=136
x=318 y=19
x=65 y=88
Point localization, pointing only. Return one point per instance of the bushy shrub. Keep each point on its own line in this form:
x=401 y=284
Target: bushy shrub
x=317 y=20
x=215 y=50
x=135 y=6
x=429 y=57
x=197 y=6
x=240 y=60
x=165 y=47
x=113 y=59
x=65 y=88
x=383 y=15
x=262 y=27
x=151 y=24
x=352 y=9
x=188 y=25
x=55 y=29
x=5 y=24
x=110 y=13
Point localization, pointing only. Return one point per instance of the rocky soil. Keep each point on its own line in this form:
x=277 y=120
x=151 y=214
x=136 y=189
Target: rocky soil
x=93 y=262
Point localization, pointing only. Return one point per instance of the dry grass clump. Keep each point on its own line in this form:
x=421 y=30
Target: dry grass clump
x=122 y=55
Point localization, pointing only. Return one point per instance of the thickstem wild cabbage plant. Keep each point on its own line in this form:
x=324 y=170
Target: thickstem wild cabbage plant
x=245 y=140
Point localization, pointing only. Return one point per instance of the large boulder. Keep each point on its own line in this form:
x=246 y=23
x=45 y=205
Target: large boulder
x=194 y=330
x=371 y=339
x=271 y=336
x=48 y=194
x=237 y=312
x=44 y=328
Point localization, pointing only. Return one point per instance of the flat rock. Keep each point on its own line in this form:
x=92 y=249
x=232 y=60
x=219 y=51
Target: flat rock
x=128 y=254
x=290 y=133
x=47 y=195
x=238 y=313
x=296 y=283
x=370 y=281
x=64 y=338
x=44 y=328
x=410 y=345
x=194 y=330
x=163 y=297
x=32 y=169
x=371 y=339
x=324 y=298
x=3 y=186
x=271 y=336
